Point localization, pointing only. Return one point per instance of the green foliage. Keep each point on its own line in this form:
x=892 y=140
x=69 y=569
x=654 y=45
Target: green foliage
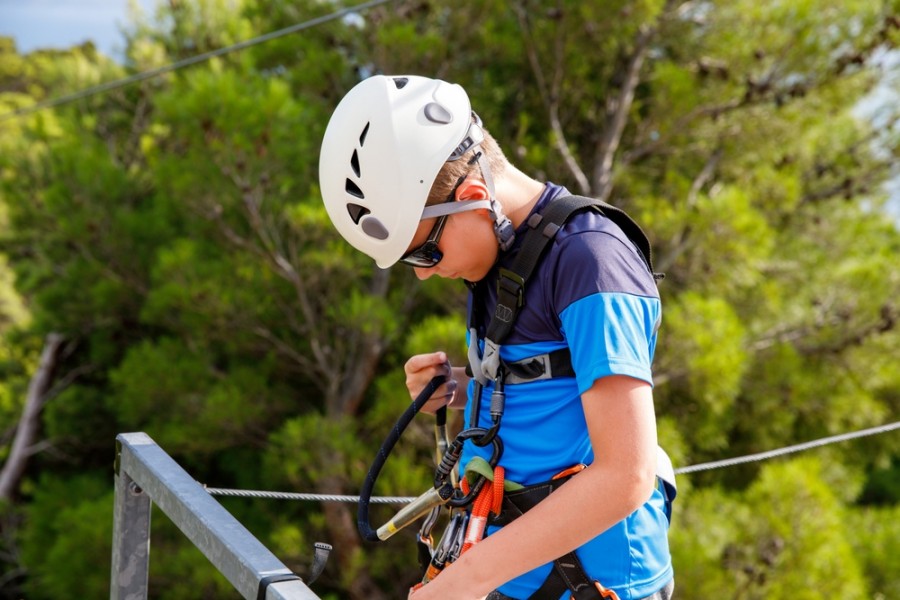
x=69 y=537
x=784 y=537
x=313 y=448
x=439 y=333
x=708 y=340
x=17 y=361
x=874 y=536
x=159 y=386
x=172 y=230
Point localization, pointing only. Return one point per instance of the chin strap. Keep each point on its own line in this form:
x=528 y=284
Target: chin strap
x=503 y=227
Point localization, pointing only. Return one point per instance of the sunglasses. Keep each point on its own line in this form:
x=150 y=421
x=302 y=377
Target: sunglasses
x=428 y=255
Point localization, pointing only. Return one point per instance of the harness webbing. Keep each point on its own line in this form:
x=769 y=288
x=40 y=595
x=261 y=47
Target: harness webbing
x=542 y=229
x=567 y=573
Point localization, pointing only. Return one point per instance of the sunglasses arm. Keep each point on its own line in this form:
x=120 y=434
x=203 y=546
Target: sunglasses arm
x=451 y=208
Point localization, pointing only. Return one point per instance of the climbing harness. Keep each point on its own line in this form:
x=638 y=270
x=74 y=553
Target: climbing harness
x=483 y=496
x=444 y=492
x=542 y=229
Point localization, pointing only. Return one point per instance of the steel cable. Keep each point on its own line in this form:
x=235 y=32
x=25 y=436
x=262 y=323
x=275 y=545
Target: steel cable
x=144 y=75
x=720 y=464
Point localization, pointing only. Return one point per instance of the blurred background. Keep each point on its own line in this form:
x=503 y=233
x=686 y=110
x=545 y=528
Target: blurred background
x=44 y=24
x=166 y=266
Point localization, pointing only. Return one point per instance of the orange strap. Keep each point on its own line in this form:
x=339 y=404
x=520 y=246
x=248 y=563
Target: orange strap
x=606 y=593
x=489 y=500
x=570 y=471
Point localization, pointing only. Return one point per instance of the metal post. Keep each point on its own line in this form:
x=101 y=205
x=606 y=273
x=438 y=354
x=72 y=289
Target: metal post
x=131 y=540
x=233 y=550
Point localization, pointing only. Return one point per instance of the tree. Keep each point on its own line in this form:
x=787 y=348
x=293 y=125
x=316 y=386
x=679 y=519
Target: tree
x=172 y=231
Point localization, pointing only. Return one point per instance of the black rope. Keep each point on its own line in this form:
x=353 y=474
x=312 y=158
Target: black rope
x=362 y=519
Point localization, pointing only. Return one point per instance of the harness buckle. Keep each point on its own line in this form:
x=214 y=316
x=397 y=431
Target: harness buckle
x=511 y=283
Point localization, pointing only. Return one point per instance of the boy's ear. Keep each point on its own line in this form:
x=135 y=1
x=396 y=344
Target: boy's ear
x=472 y=188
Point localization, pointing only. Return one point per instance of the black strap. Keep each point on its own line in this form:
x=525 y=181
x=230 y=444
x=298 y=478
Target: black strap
x=567 y=573
x=543 y=227
x=265 y=582
x=557 y=363
x=516 y=503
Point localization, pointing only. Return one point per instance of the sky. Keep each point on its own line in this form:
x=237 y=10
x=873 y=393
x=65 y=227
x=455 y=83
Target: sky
x=64 y=23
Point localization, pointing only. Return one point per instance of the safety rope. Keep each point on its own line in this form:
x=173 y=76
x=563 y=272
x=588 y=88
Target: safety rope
x=489 y=501
x=720 y=464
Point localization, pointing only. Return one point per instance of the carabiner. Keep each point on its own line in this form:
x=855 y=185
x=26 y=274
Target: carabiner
x=460 y=500
x=429 y=500
x=448 y=548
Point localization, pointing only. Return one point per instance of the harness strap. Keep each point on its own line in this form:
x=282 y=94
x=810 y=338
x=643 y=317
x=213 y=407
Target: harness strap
x=517 y=503
x=543 y=366
x=567 y=573
x=542 y=228
x=511 y=282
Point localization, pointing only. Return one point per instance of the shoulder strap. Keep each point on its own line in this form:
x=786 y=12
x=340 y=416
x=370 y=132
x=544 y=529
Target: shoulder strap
x=630 y=228
x=542 y=228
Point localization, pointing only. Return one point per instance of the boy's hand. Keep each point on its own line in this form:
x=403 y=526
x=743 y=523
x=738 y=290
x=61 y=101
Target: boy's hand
x=422 y=368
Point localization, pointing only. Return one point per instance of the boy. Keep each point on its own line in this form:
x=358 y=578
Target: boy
x=409 y=175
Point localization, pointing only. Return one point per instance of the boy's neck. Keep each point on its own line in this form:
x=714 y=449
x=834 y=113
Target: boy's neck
x=517 y=193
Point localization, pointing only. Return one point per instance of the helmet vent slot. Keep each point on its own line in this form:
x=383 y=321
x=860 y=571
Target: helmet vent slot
x=353 y=189
x=374 y=228
x=362 y=136
x=357 y=212
x=436 y=113
x=354 y=162
x=400 y=82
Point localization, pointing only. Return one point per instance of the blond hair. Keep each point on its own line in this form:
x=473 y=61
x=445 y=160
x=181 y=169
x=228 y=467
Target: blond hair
x=452 y=171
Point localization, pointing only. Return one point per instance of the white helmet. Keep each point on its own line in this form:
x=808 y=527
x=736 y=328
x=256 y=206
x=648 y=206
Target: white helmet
x=382 y=150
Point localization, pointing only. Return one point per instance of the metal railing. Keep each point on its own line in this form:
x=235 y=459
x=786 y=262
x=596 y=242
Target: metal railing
x=144 y=473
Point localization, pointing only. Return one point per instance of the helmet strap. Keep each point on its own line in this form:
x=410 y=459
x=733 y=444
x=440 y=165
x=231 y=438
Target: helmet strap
x=503 y=227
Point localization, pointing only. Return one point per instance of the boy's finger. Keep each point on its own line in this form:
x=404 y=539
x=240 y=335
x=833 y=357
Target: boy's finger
x=424 y=361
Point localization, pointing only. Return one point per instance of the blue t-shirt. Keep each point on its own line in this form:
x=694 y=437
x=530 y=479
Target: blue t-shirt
x=592 y=293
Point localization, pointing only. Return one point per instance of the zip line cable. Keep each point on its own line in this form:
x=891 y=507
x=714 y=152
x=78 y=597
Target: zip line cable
x=118 y=83
x=720 y=464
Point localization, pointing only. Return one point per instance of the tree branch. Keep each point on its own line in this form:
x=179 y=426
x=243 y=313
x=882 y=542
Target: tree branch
x=550 y=94
x=681 y=242
x=367 y=350
x=617 y=108
x=24 y=442
x=887 y=321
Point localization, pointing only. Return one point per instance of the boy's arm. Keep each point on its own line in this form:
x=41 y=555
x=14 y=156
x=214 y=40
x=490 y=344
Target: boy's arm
x=622 y=426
